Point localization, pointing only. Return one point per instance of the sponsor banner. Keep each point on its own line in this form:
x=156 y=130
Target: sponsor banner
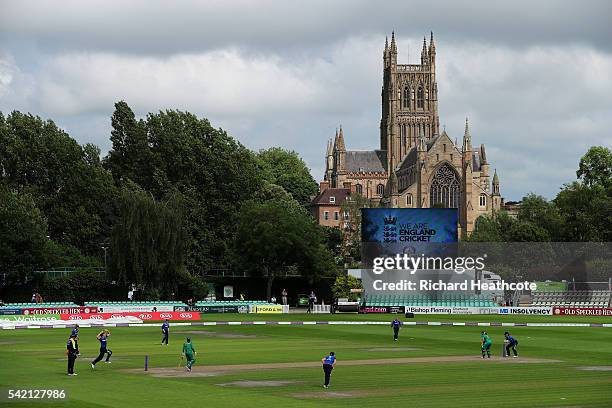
x=140 y=315
x=429 y=310
x=487 y=310
x=582 y=311
x=10 y=311
x=219 y=309
x=135 y=308
x=299 y=324
x=456 y=310
x=540 y=311
x=381 y=309
x=268 y=309
x=22 y=318
x=60 y=310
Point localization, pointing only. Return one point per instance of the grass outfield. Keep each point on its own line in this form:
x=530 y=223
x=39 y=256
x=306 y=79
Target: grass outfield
x=445 y=372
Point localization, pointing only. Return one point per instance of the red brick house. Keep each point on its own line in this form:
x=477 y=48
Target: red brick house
x=326 y=207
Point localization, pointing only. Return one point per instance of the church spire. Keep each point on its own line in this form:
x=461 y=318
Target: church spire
x=432 y=50
x=424 y=56
x=393 y=45
x=467 y=139
x=335 y=147
x=483 y=154
x=340 y=146
x=432 y=45
x=421 y=147
x=386 y=43
x=495 y=183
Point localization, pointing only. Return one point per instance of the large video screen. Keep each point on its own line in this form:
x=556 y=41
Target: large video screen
x=409 y=225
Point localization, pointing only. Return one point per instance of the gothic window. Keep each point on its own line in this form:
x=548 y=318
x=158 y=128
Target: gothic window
x=445 y=188
x=380 y=189
x=326 y=215
x=406 y=98
x=336 y=215
x=403 y=135
x=358 y=189
x=483 y=200
x=420 y=98
x=409 y=200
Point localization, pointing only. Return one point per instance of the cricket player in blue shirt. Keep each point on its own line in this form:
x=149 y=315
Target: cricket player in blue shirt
x=103 y=339
x=511 y=343
x=396 y=324
x=328 y=366
x=165 y=330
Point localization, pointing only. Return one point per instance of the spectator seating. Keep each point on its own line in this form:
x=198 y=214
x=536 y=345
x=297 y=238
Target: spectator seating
x=572 y=298
x=30 y=305
x=443 y=299
x=231 y=302
x=151 y=303
x=178 y=303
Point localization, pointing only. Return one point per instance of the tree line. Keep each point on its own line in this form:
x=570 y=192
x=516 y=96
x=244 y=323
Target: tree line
x=581 y=211
x=174 y=197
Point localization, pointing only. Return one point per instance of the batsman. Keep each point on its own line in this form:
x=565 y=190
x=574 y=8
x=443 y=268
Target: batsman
x=486 y=344
x=189 y=353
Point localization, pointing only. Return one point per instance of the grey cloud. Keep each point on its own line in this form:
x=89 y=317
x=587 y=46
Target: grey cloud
x=533 y=78
x=161 y=27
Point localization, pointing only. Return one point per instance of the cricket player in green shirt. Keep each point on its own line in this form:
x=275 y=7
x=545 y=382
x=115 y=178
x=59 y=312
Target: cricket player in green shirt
x=189 y=353
x=486 y=344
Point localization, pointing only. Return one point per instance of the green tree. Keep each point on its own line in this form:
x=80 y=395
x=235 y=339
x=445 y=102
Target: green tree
x=214 y=173
x=130 y=156
x=273 y=237
x=286 y=169
x=586 y=212
x=525 y=231
x=23 y=235
x=65 y=180
x=343 y=285
x=537 y=210
x=486 y=229
x=596 y=166
x=147 y=242
x=351 y=245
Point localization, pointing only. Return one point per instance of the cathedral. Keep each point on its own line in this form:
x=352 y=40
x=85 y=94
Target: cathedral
x=417 y=165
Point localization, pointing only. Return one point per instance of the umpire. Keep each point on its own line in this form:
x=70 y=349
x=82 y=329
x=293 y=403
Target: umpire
x=72 y=350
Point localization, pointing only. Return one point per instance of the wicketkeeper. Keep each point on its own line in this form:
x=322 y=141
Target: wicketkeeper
x=511 y=343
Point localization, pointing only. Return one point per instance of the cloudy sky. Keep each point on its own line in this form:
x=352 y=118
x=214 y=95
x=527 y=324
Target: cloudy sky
x=535 y=78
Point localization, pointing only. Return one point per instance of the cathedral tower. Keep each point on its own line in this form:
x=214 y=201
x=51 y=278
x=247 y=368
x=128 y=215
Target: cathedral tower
x=409 y=101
